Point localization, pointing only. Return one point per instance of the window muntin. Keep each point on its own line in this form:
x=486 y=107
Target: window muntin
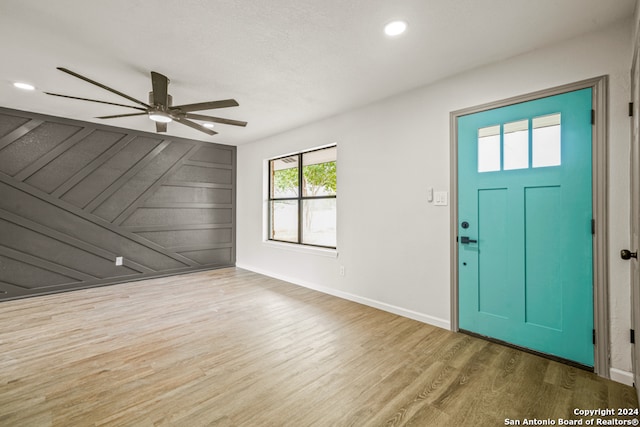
x=302 y=201
x=524 y=144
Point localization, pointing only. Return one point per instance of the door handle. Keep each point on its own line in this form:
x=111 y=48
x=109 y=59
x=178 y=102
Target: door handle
x=627 y=254
x=465 y=240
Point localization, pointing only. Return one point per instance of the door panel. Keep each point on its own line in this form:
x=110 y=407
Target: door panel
x=543 y=300
x=492 y=204
x=525 y=209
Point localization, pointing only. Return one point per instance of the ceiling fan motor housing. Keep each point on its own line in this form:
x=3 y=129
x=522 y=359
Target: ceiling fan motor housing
x=169 y=98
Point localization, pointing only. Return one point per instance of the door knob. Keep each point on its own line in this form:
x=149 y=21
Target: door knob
x=465 y=240
x=627 y=254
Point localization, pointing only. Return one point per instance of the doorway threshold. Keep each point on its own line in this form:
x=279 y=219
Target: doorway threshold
x=528 y=350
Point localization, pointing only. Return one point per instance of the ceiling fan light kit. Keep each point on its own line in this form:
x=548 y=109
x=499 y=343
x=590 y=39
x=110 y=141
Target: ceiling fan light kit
x=160 y=108
x=159 y=116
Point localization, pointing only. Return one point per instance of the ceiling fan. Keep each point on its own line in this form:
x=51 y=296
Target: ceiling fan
x=159 y=108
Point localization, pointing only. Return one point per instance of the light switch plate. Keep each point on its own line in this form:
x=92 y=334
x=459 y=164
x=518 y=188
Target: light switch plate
x=119 y=260
x=441 y=198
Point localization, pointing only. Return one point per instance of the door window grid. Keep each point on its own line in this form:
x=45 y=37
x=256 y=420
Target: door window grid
x=523 y=144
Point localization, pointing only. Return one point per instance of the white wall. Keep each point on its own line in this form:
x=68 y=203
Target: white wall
x=395 y=245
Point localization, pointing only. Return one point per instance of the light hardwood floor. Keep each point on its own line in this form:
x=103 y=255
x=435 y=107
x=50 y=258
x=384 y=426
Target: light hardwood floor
x=234 y=348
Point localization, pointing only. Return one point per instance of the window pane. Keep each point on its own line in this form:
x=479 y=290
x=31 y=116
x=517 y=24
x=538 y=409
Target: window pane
x=319 y=172
x=489 y=149
x=546 y=141
x=516 y=145
x=284 y=220
x=319 y=222
x=284 y=177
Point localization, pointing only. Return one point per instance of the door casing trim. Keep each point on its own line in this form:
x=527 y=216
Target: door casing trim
x=599 y=86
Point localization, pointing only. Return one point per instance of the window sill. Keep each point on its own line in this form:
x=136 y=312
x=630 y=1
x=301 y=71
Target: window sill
x=292 y=247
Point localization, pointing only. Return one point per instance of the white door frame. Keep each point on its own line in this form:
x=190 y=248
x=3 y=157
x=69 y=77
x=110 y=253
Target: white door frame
x=599 y=85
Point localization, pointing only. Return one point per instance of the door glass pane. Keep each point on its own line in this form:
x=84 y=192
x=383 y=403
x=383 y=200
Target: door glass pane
x=546 y=141
x=319 y=222
x=489 y=149
x=284 y=177
x=516 y=145
x=284 y=220
x=319 y=172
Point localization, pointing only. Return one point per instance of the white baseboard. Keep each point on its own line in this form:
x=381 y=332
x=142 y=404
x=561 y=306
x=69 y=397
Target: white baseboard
x=621 y=376
x=420 y=317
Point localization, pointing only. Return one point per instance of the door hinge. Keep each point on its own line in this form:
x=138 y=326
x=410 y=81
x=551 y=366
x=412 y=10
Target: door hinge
x=594 y=336
x=593 y=117
x=631 y=109
x=632 y=336
x=593 y=226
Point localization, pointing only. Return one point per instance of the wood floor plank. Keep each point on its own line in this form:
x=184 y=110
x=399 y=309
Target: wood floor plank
x=233 y=348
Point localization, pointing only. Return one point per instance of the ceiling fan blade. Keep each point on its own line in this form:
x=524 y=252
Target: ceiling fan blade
x=206 y=105
x=95 y=100
x=195 y=126
x=215 y=119
x=160 y=86
x=122 y=115
x=86 y=79
x=161 y=127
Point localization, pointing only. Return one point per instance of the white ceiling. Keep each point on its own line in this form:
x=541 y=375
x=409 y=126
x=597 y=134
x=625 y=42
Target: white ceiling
x=287 y=62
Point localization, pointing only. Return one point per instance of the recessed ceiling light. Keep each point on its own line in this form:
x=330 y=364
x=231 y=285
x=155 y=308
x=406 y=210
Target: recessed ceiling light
x=24 y=86
x=208 y=125
x=395 y=28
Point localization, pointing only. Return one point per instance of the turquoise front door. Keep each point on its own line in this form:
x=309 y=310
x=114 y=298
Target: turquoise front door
x=525 y=225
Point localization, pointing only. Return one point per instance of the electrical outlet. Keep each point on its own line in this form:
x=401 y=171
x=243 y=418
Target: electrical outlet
x=119 y=260
x=342 y=272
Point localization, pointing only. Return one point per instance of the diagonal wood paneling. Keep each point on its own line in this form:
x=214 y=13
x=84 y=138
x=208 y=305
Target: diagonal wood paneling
x=141 y=179
x=42 y=245
x=31 y=146
x=151 y=190
x=53 y=171
x=126 y=178
x=75 y=195
x=65 y=238
x=88 y=167
x=13 y=127
x=43 y=160
x=107 y=174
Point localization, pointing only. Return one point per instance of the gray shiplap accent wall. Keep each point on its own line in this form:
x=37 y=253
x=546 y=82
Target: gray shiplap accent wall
x=75 y=195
